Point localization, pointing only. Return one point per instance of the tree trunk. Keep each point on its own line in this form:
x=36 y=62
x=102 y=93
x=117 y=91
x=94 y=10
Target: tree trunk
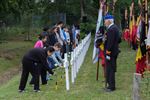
x=82 y=9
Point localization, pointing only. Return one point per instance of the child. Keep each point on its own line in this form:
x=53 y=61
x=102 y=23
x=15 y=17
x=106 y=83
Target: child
x=41 y=41
x=55 y=59
x=66 y=30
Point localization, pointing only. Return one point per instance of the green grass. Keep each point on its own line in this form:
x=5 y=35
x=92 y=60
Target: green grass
x=85 y=88
x=11 y=52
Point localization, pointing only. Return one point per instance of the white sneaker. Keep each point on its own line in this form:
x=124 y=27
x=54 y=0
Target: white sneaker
x=37 y=90
x=21 y=91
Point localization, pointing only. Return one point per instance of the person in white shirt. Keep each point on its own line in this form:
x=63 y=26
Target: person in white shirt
x=66 y=30
x=63 y=37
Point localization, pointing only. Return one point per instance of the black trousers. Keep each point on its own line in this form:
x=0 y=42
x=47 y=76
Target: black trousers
x=43 y=76
x=29 y=67
x=110 y=72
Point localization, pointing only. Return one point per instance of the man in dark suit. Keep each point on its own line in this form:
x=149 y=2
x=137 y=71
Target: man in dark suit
x=111 y=51
x=33 y=62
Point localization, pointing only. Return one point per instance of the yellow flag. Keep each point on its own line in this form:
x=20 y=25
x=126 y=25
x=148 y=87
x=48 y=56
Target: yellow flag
x=102 y=46
x=138 y=20
x=139 y=54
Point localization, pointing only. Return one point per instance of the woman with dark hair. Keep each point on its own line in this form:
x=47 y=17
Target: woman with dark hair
x=52 y=38
x=56 y=31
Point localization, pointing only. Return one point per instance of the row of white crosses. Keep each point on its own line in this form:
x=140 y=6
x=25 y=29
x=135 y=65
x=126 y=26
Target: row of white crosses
x=77 y=58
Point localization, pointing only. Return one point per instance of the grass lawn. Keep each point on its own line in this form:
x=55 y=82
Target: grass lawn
x=85 y=88
x=10 y=54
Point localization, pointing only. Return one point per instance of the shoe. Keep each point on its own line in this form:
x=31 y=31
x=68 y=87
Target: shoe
x=31 y=83
x=37 y=90
x=47 y=78
x=109 y=90
x=21 y=91
x=44 y=83
x=103 y=81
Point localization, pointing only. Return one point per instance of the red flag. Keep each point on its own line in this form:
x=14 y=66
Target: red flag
x=141 y=65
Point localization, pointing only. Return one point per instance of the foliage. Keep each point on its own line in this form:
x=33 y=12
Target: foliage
x=88 y=27
x=16 y=12
x=11 y=54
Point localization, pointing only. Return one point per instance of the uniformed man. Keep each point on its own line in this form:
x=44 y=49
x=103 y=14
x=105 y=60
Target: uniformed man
x=111 y=51
x=33 y=62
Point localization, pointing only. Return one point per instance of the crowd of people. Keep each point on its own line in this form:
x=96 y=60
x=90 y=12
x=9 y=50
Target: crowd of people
x=48 y=54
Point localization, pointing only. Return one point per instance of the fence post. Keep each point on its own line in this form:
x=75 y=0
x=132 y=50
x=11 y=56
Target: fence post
x=78 y=55
x=75 y=74
x=66 y=64
x=136 y=86
x=78 y=59
x=72 y=66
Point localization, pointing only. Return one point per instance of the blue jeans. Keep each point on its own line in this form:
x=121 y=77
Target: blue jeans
x=51 y=62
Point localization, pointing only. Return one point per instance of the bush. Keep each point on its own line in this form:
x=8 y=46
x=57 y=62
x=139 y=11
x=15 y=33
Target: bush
x=87 y=27
x=18 y=33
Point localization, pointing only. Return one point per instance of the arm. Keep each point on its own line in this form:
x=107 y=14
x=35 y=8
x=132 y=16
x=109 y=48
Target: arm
x=59 y=57
x=43 y=60
x=55 y=59
x=61 y=35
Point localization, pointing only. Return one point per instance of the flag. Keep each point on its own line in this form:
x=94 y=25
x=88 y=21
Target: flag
x=148 y=36
x=138 y=29
x=126 y=35
x=134 y=31
x=130 y=28
x=138 y=54
x=126 y=31
x=131 y=21
x=141 y=63
x=148 y=47
x=141 y=53
x=95 y=50
x=143 y=38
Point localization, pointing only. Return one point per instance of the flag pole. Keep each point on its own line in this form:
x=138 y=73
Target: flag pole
x=105 y=12
x=97 y=72
x=102 y=3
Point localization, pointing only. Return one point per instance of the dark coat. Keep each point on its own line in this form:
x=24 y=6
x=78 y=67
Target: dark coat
x=112 y=41
x=39 y=56
x=51 y=39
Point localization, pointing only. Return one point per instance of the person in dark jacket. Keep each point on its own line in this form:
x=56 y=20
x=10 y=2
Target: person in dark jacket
x=52 y=38
x=111 y=51
x=33 y=61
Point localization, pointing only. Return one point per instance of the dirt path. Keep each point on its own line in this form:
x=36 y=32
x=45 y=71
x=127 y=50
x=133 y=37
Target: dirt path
x=7 y=75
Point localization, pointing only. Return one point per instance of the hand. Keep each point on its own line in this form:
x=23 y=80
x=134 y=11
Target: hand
x=55 y=65
x=101 y=5
x=50 y=71
x=35 y=64
x=108 y=57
